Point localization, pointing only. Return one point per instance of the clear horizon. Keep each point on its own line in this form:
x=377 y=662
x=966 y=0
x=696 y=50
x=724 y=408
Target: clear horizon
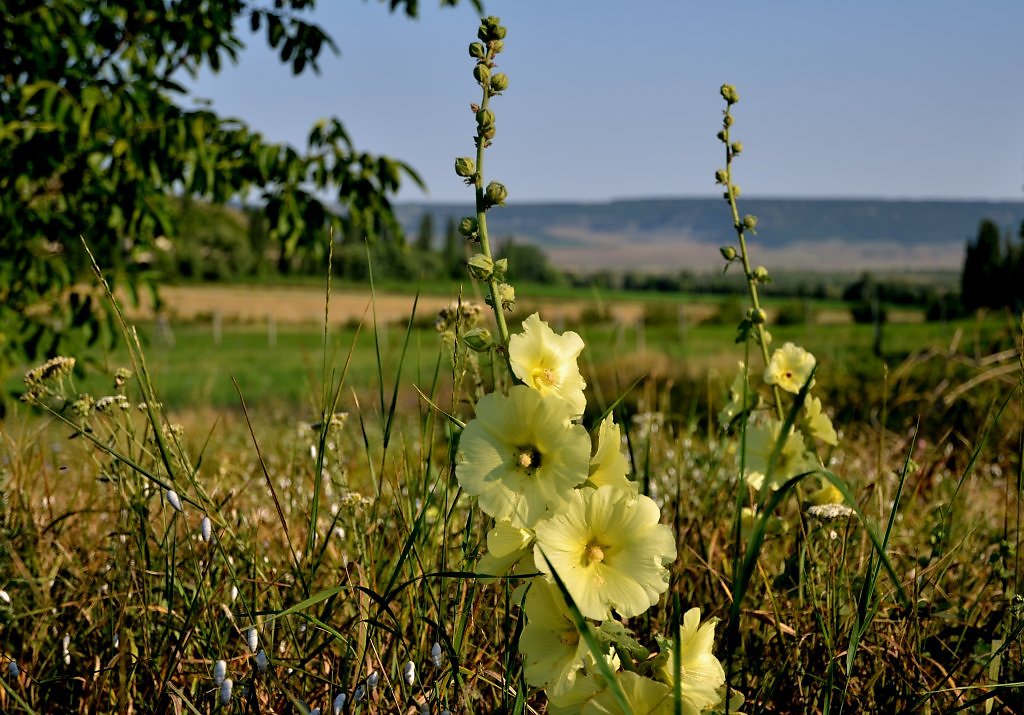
x=915 y=101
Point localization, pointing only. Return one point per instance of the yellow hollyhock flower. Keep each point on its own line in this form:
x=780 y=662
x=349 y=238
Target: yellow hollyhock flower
x=645 y=697
x=700 y=673
x=793 y=459
x=546 y=361
x=817 y=423
x=553 y=651
x=521 y=456
x=609 y=465
x=789 y=368
x=610 y=551
x=507 y=547
x=570 y=702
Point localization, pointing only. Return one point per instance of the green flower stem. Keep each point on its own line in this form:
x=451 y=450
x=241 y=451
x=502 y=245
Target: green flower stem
x=485 y=243
x=737 y=223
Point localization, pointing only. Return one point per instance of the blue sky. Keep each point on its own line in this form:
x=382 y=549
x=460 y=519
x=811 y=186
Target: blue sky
x=873 y=98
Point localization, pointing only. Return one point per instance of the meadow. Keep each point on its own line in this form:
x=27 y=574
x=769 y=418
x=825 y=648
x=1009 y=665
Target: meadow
x=344 y=545
x=514 y=499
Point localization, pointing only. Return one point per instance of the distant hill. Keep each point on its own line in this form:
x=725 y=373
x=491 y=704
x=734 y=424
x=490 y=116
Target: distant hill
x=799 y=234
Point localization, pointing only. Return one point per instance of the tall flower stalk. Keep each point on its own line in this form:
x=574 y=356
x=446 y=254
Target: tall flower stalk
x=756 y=317
x=482 y=266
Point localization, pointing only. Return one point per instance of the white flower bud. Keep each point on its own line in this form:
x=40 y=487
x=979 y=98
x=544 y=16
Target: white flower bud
x=314 y=711
x=12 y=670
x=339 y=703
x=252 y=639
x=262 y=661
x=234 y=593
x=409 y=673
x=225 y=691
x=64 y=643
x=206 y=529
x=372 y=679
x=4 y=596
x=174 y=500
x=220 y=671
x=359 y=693
x=435 y=655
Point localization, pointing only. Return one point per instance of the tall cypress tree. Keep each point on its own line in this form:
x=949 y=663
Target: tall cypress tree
x=983 y=273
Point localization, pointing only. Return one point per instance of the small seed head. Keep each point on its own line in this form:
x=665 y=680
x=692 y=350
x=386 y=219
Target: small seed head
x=507 y=296
x=737 y=147
x=720 y=176
x=729 y=94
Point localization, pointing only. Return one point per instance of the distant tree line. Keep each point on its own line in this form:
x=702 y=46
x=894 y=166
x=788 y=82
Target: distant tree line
x=223 y=243
x=993 y=272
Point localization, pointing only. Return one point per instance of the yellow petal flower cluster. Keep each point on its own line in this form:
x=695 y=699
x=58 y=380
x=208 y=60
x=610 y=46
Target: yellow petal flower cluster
x=546 y=361
x=522 y=456
x=563 y=511
x=789 y=368
x=700 y=673
x=609 y=549
x=793 y=458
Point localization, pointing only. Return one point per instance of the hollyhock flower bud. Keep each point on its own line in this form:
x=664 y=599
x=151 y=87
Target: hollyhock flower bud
x=496 y=194
x=465 y=167
x=499 y=82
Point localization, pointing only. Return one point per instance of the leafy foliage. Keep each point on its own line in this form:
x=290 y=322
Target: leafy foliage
x=96 y=139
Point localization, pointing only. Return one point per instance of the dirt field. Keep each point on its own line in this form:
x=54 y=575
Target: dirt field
x=292 y=305
x=306 y=305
